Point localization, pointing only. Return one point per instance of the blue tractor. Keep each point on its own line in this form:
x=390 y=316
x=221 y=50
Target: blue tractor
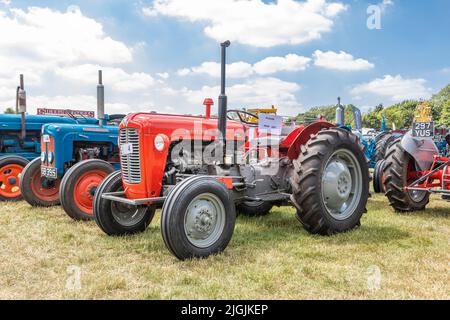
x=74 y=160
x=20 y=142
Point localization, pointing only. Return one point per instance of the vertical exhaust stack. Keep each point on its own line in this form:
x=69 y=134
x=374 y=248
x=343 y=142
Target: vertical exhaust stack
x=22 y=106
x=100 y=99
x=358 y=118
x=340 y=116
x=223 y=98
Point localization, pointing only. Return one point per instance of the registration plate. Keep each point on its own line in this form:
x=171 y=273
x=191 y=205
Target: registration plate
x=48 y=172
x=423 y=129
x=126 y=149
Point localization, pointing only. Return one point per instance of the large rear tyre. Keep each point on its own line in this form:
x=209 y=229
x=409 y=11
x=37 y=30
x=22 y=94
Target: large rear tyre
x=79 y=185
x=254 y=208
x=331 y=182
x=399 y=172
x=119 y=219
x=198 y=218
x=378 y=177
x=383 y=144
x=11 y=168
x=36 y=190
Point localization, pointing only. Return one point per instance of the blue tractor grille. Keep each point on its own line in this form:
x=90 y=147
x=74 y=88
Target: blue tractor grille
x=130 y=161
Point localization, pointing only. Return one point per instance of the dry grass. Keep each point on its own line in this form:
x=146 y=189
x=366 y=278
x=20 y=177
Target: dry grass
x=268 y=258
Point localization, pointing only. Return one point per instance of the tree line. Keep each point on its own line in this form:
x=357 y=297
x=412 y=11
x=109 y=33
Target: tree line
x=400 y=114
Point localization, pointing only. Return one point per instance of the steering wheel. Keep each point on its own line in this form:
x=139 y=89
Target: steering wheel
x=243 y=116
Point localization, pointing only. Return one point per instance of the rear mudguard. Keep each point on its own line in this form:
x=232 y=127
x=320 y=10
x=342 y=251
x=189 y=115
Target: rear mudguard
x=422 y=150
x=302 y=137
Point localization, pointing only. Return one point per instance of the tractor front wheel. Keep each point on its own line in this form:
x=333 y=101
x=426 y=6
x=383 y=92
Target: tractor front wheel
x=11 y=168
x=79 y=185
x=36 y=190
x=198 y=218
x=400 y=171
x=116 y=218
x=331 y=182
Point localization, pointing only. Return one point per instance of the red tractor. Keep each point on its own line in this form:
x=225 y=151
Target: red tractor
x=202 y=170
x=414 y=168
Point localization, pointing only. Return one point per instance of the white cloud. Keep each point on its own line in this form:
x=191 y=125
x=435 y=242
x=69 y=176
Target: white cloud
x=385 y=4
x=270 y=65
x=117 y=78
x=446 y=70
x=254 y=93
x=163 y=75
x=234 y=70
x=5 y=2
x=394 y=87
x=254 y=22
x=340 y=61
x=290 y=62
x=62 y=37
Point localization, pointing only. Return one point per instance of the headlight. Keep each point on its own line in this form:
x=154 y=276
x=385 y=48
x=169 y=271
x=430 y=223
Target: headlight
x=43 y=156
x=160 y=142
x=51 y=157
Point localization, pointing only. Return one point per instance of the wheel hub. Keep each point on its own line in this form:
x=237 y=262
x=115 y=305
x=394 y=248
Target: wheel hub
x=337 y=184
x=201 y=219
x=204 y=220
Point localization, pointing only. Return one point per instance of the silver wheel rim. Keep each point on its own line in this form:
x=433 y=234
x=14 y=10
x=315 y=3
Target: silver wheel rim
x=204 y=221
x=127 y=215
x=341 y=184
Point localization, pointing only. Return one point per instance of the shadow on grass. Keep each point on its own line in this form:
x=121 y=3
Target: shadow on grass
x=430 y=212
x=282 y=228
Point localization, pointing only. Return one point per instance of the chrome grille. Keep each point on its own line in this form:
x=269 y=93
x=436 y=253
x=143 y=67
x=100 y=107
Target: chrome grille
x=131 y=163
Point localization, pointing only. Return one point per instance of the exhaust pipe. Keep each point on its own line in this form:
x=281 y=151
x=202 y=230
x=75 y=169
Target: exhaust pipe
x=223 y=98
x=358 y=118
x=340 y=115
x=22 y=106
x=100 y=99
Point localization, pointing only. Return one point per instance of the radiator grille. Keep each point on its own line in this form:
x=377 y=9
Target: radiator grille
x=131 y=163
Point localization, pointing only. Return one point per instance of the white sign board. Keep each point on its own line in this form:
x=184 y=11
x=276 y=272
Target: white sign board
x=126 y=149
x=270 y=123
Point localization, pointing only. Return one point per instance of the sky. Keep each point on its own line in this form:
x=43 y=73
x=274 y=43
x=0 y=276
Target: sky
x=163 y=55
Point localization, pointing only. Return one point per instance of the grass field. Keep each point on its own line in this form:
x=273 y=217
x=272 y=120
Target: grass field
x=389 y=256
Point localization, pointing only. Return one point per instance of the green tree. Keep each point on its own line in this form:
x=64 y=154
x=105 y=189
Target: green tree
x=10 y=111
x=445 y=114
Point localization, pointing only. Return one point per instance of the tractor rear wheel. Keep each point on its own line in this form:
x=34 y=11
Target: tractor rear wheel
x=378 y=177
x=254 y=208
x=400 y=171
x=79 y=185
x=36 y=190
x=331 y=182
x=198 y=218
x=116 y=218
x=11 y=168
x=383 y=144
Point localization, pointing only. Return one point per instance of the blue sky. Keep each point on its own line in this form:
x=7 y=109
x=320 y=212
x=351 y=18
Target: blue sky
x=159 y=56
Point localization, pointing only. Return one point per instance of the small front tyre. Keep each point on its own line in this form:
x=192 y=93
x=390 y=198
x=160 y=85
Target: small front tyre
x=116 y=218
x=198 y=218
x=37 y=190
x=79 y=185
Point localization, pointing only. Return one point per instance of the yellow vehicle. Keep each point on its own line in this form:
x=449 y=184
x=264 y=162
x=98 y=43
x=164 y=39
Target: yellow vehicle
x=258 y=111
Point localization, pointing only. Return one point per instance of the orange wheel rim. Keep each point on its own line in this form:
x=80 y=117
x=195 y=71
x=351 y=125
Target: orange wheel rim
x=10 y=181
x=85 y=187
